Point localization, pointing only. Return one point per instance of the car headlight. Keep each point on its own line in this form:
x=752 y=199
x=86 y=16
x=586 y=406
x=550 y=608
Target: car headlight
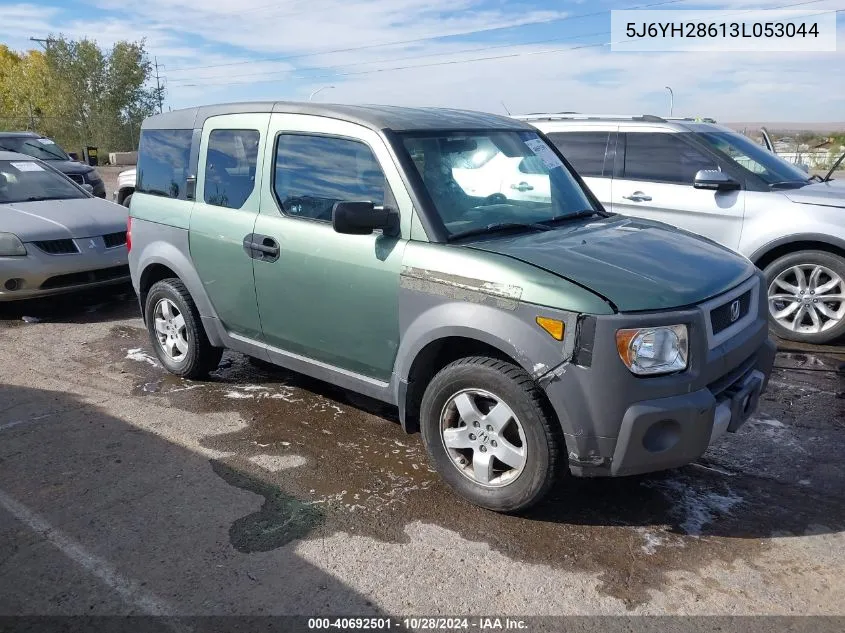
x=10 y=245
x=654 y=350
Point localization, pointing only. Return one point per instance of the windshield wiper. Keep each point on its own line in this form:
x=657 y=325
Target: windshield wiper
x=827 y=177
x=500 y=226
x=789 y=184
x=42 y=198
x=575 y=215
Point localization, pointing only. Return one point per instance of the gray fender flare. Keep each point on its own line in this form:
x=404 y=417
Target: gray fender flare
x=513 y=332
x=166 y=254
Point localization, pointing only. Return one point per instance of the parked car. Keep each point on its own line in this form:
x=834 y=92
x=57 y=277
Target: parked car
x=715 y=182
x=125 y=187
x=46 y=149
x=55 y=236
x=518 y=335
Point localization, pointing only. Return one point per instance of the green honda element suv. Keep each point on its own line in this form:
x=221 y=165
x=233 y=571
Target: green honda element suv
x=362 y=245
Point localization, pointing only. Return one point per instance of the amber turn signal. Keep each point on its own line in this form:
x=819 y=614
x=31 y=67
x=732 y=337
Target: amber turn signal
x=552 y=326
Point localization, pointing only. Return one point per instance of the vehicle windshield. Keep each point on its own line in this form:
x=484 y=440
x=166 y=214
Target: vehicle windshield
x=755 y=158
x=487 y=180
x=27 y=181
x=41 y=148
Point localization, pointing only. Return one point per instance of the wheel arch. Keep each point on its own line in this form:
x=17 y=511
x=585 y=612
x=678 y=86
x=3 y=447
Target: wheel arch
x=160 y=260
x=123 y=193
x=445 y=333
x=765 y=255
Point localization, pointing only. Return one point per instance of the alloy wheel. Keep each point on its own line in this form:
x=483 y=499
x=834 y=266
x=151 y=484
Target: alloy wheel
x=807 y=298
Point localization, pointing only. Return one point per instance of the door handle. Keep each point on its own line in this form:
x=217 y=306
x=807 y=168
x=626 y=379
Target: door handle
x=261 y=247
x=638 y=196
x=523 y=186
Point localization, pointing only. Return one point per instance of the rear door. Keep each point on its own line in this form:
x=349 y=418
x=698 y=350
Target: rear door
x=656 y=169
x=227 y=201
x=591 y=151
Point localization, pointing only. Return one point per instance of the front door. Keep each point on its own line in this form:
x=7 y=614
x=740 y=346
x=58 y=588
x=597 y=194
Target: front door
x=227 y=201
x=657 y=183
x=326 y=296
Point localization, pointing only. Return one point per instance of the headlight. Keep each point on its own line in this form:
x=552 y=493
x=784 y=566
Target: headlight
x=10 y=245
x=654 y=350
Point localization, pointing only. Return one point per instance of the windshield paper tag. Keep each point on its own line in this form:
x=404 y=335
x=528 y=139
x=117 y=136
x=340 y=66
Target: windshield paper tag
x=46 y=141
x=27 y=166
x=544 y=153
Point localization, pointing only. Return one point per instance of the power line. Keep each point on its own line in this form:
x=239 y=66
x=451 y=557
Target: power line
x=180 y=82
x=425 y=39
x=455 y=62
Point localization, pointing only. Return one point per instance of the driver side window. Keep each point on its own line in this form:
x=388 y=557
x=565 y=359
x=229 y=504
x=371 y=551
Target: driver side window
x=663 y=157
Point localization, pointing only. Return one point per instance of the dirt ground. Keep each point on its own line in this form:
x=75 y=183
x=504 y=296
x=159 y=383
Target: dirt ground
x=125 y=490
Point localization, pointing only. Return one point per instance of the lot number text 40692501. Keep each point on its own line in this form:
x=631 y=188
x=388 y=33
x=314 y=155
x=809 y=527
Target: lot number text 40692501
x=481 y=624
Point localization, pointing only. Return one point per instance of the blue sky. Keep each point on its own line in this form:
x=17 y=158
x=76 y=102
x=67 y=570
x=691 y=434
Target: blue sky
x=545 y=55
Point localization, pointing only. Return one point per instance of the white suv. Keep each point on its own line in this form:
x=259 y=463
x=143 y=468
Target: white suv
x=710 y=180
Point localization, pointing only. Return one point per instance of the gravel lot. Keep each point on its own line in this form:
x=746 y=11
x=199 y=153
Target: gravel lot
x=124 y=490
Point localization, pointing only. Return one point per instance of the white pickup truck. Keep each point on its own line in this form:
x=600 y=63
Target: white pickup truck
x=125 y=187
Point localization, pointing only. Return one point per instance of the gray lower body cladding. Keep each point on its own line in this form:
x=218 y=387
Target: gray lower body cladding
x=616 y=423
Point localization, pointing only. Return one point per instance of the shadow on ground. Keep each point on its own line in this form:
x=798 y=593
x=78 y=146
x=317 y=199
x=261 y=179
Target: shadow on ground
x=170 y=522
x=108 y=303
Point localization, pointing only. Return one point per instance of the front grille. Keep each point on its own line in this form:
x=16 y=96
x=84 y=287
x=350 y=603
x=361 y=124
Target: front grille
x=77 y=178
x=86 y=277
x=57 y=247
x=725 y=315
x=115 y=239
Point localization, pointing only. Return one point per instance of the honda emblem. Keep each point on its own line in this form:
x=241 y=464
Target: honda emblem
x=734 y=310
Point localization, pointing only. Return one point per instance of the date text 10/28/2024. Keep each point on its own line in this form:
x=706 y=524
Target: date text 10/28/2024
x=418 y=624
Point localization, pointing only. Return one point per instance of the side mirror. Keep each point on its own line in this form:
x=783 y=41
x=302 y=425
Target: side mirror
x=89 y=188
x=714 y=180
x=361 y=218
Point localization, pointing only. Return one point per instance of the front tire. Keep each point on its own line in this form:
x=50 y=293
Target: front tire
x=806 y=296
x=176 y=332
x=127 y=200
x=489 y=433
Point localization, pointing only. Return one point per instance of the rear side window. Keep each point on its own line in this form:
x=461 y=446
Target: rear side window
x=163 y=162
x=230 y=167
x=585 y=150
x=663 y=158
x=312 y=173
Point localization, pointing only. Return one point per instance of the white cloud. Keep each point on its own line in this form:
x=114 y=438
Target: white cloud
x=249 y=52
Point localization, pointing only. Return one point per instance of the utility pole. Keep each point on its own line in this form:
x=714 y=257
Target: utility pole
x=671 y=100
x=31 y=118
x=44 y=42
x=159 y=93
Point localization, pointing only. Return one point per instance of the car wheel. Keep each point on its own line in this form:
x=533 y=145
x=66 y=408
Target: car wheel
x=176 y=331
x=806 y=292
x=489 y=433
x=127 y=200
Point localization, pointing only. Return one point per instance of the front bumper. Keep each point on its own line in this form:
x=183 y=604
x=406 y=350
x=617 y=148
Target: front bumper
x=616 y=423
x=40 y=274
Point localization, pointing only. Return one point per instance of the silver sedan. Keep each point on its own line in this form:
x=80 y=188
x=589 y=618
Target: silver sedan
x=55 y=236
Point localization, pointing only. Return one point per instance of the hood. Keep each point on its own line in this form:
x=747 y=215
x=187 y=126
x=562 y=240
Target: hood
x=61 y=219
x=829 y=194
x=635 y=264
x=70 y=166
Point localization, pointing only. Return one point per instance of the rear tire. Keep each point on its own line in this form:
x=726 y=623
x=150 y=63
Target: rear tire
x=503 y=449
x=806 y=296
x=176 y=332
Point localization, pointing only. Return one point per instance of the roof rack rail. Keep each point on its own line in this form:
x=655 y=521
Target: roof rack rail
x=551 y=116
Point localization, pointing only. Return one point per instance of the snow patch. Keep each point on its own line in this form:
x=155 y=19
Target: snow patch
x=237 y=395
x=141 y=356
x=696 y=508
